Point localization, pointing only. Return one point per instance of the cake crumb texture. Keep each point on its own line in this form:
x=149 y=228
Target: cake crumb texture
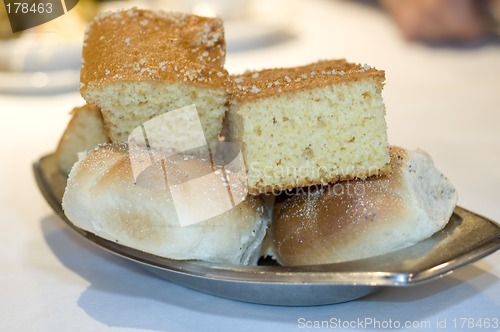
x=309 y=125
x=138 y=64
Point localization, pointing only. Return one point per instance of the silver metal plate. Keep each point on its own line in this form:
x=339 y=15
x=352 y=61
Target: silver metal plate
x=467 y=238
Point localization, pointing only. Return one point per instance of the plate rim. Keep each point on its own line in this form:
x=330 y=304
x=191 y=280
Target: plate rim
x=324 y=274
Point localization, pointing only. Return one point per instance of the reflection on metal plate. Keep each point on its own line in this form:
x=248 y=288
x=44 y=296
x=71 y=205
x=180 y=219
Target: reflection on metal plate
x=467 y=238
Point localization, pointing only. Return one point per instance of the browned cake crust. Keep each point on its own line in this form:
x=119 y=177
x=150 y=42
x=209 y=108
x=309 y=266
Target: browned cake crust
x=274 y=82
x=124 y=46
x=315 y=124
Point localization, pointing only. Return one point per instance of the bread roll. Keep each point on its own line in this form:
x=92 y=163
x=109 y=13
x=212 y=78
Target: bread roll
x=358 y=219
x=103 y=197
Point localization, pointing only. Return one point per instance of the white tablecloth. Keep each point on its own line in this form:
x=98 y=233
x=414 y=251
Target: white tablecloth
x=445 y=100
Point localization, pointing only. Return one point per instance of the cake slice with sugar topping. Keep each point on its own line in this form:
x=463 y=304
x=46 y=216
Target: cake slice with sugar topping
x=84 y=131
x=315 y=124
x=138 y=64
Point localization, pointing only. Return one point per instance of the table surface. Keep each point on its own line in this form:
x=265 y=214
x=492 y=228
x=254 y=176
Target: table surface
x=444 y=99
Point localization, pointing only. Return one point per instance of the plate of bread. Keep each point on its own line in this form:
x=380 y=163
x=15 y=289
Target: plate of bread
x=314 y=207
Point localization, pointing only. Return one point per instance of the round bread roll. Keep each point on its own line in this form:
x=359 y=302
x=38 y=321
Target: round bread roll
x=363 y=218
x=103 y=197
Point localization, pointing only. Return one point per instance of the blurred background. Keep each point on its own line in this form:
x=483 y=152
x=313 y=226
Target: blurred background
x=358 y=30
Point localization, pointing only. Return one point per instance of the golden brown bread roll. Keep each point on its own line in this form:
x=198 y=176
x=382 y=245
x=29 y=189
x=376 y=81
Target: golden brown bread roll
x=358 y=219
x=103 y=197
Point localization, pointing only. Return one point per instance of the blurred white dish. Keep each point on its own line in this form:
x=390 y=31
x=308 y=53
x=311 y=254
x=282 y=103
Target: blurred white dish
x=39 y=63
x=39 y=82
x=243 y=35
x=39 y=52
